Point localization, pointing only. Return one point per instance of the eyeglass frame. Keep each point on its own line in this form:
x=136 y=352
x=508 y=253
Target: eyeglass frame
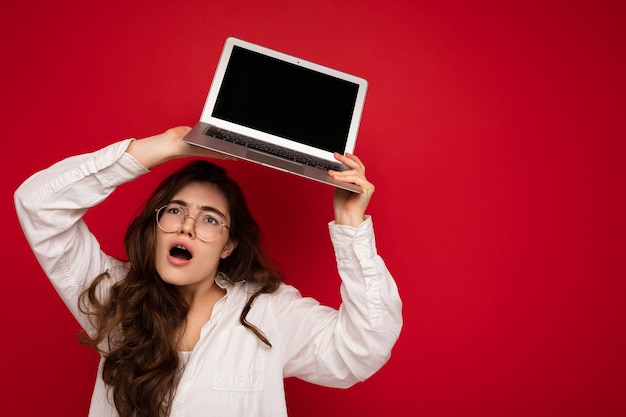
x=185 y=211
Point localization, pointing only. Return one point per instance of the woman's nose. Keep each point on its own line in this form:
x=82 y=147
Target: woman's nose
x=189 y=225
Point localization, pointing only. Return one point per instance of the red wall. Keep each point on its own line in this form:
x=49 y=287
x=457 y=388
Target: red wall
x=495 y=134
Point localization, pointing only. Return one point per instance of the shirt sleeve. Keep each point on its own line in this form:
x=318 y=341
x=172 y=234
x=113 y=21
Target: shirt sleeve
x=50 y=206
x=338 y=348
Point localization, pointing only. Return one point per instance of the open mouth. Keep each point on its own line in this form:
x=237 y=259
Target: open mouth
x=180 y=252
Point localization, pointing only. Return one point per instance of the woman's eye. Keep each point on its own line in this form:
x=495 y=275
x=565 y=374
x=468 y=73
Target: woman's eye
x=174 y=210
x=209 y=219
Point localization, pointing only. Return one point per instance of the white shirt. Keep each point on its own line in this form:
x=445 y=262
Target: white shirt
x=230 y=372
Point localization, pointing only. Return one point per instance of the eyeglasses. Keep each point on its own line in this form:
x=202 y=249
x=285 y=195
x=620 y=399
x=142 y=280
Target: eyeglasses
x=207 y=226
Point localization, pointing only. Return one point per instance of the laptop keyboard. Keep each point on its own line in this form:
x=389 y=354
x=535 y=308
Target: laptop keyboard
x=284 y=153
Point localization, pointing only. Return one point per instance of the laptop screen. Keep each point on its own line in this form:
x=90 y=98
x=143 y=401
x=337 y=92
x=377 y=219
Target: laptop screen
x=286 y=100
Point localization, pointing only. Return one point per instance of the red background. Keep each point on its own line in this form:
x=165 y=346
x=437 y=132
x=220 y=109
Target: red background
x=494 y=132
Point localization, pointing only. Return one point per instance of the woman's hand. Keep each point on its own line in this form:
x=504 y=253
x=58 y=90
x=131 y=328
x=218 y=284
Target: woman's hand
x=155 y=150
x=350 y=207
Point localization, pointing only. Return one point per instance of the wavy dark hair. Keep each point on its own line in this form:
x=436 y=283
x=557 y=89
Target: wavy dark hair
x=138 y=324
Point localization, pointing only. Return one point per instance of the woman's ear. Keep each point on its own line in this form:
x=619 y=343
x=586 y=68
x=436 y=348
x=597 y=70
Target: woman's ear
x=228 y=249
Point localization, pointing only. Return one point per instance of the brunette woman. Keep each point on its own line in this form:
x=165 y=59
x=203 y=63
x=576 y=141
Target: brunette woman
x=198 y=320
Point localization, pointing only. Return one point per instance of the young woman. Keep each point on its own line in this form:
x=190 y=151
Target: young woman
x=198 y=321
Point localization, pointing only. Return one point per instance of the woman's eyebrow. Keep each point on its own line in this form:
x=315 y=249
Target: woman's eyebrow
x=214 y=210
x=202 y=208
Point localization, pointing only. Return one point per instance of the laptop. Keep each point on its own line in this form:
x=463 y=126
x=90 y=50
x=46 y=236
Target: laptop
x=281 y=111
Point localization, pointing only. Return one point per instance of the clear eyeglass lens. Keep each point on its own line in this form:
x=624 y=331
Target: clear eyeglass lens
x=170 y=219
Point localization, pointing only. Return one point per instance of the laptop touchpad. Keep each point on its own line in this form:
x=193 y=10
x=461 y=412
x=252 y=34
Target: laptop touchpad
x=274 y=161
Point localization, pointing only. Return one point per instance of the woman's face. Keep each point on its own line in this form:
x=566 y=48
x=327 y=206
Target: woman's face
x=181 y=258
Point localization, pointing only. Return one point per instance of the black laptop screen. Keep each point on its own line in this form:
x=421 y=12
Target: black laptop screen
x=286 y=100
